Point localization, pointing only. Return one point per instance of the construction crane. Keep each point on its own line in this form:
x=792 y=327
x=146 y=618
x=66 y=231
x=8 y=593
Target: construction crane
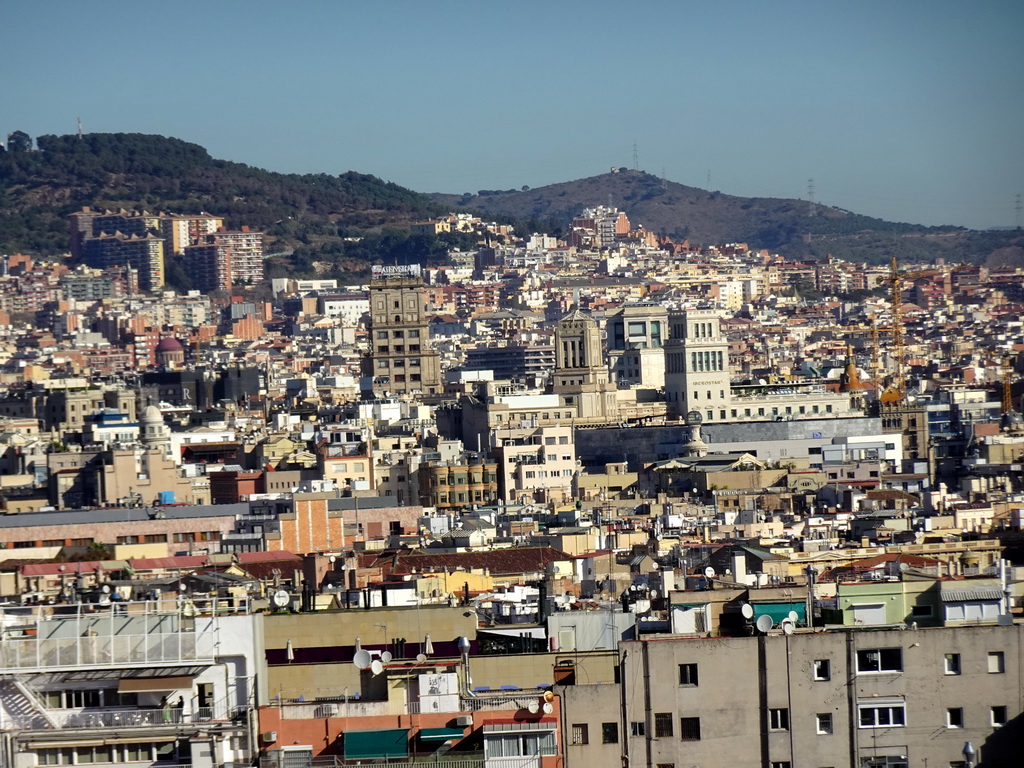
x=896 y=282
x=1007 y=395
x=876 y=355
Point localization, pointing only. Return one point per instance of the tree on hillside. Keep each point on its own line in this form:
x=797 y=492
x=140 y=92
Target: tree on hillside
x=19 y=141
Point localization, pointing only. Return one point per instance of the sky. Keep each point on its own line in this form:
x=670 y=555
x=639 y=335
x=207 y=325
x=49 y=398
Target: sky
x=910 y=110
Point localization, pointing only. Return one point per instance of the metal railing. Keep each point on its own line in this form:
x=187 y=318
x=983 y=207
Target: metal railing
x=470 y=760
x=134 y=718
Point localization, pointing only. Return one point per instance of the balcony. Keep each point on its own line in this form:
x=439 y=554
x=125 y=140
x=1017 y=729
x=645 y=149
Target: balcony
x=122 y=634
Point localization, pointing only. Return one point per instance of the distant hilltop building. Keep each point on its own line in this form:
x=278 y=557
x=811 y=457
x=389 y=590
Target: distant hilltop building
x=599 y=227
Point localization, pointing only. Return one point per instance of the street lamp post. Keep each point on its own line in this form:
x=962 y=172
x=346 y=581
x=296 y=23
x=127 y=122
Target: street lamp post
x=969 y=753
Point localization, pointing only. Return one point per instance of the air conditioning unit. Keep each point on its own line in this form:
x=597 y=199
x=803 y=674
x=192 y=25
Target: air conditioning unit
x=269 y=737
x=464 y=720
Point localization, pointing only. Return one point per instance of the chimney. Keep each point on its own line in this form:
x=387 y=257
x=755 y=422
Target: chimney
x=739 y=567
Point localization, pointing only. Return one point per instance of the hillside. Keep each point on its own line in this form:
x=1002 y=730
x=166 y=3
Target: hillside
x=310 y=215
x=38 y=189
x=704 y=217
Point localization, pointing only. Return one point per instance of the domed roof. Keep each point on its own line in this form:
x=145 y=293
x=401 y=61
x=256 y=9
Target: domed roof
x=152 y=414
x=169 y=344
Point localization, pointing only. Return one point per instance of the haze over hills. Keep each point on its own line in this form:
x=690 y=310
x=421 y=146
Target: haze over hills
x=313 y=213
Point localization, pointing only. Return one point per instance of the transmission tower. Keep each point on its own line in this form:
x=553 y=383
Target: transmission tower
x=636 y=157
x=1017 y=209
x=80 y=136
x=811 y=209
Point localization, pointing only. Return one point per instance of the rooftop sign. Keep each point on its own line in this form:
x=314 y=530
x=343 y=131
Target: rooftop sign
x=395 y=270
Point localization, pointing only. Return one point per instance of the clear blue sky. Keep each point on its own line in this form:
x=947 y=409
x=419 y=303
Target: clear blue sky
x=908 y=110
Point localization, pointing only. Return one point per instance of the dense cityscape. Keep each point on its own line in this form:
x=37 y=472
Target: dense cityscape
x=607 y=499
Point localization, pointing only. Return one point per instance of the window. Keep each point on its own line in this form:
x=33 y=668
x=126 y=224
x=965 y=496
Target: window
x=49 y=757
x=520 y=745
x=884 y=761
x=955 y=717
x=580 y=733
x=921 y=611
x=781 y=764
x=995 y=662
x=663 y=724
x=880 y=660
x=778 y=719
x=637 y=729
x=879 y=715
x=998 y=716
x=822 y=669
x=688 y=674
x=609 y=733
x=952 y=664
x=824 y=722
x=689 y=728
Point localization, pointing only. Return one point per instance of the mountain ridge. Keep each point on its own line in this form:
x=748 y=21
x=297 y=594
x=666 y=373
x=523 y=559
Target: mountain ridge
x=315 y=213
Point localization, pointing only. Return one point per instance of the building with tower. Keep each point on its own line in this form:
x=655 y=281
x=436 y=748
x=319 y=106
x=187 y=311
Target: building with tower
x=581 y=378
x=697 y=365
x=402 y=362
x=154 y=432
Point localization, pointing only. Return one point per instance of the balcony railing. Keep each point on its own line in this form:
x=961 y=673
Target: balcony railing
x=114 y=635
x=145 y=718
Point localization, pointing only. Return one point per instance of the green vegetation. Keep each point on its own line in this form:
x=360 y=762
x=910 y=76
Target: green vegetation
x=39 y=189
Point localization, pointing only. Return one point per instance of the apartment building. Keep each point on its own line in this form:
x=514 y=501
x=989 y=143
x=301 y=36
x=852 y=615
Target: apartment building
x=636 y=337
x=535 y=464
x=864 y=698
x=167 y=681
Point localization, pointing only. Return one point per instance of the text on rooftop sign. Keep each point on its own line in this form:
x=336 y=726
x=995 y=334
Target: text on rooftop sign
x=393 y=270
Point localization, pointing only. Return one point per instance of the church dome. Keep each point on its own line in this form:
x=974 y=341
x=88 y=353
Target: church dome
x=169 y=344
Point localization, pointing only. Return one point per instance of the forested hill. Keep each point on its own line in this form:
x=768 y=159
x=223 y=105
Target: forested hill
x=38 y=189
x=311 y=215
x=792 y=227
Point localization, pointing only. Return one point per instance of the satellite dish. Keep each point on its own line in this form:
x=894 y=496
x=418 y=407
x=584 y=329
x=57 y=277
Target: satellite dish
x=534 y=707
x=794 y=616
x=421 y=657
x=764 y=623
x=709 y=572
x=332 y=558
x=386 y=657
x=376 y=667
x=904 y=567
x=747 y=610
x=548 y=708
x=362 y=659
x=106 y=589
x=281 y=598
x=788 y=628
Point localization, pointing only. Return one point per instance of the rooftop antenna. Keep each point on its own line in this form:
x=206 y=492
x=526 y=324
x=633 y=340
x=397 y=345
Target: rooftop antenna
x=811 y=208
x=636 y=157
x=80 y=136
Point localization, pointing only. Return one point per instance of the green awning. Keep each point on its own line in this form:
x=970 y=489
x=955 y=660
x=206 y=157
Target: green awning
x=441 y=734
x=780 y=611
x=375 y=744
